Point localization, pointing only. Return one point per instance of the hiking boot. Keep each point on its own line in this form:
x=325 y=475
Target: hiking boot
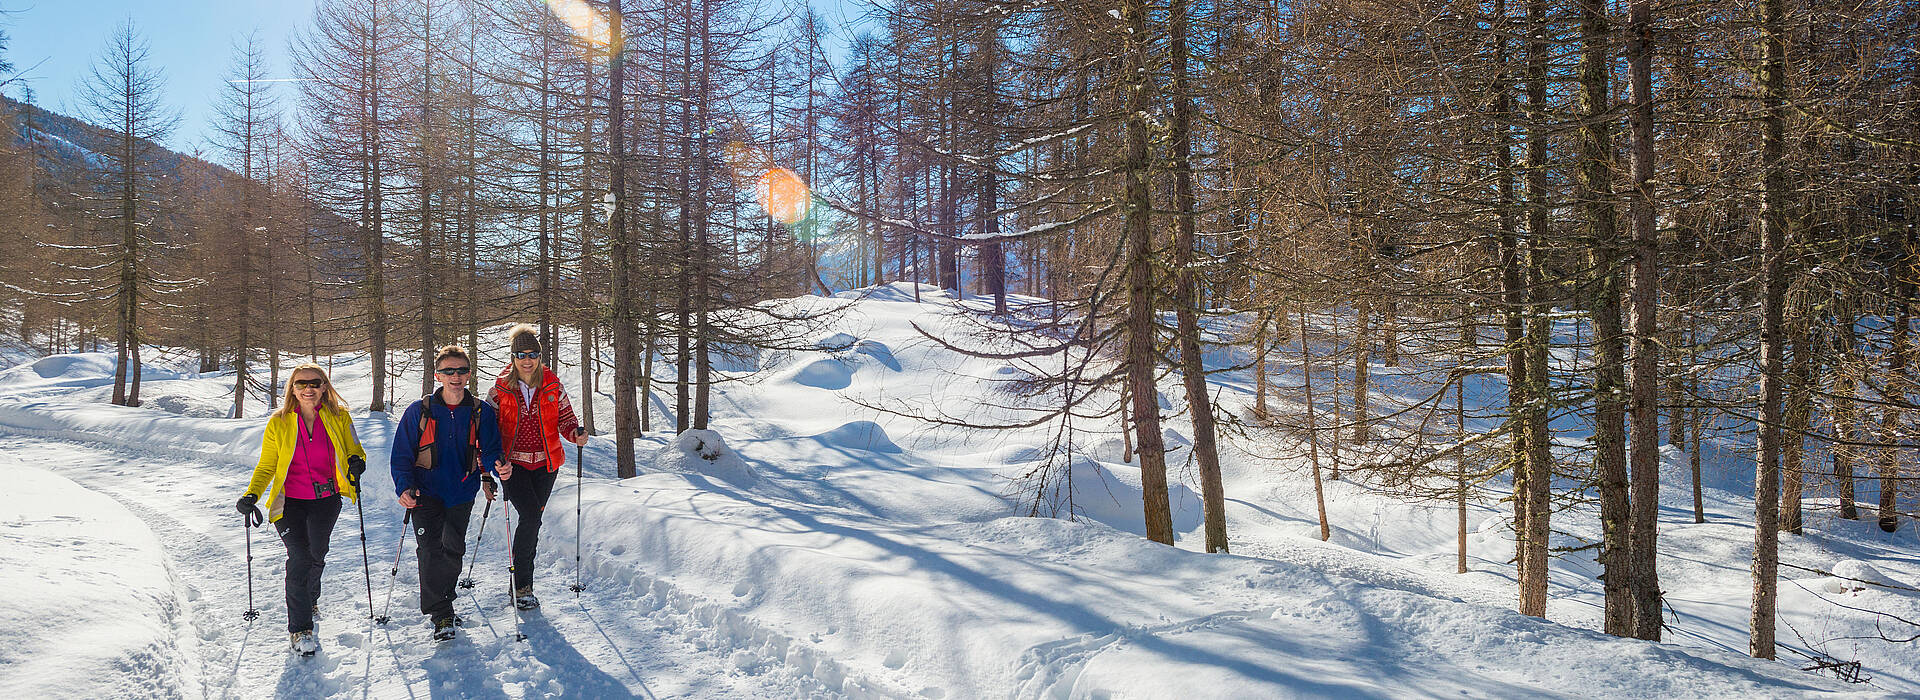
x=524 y=599
x=305 y=643
x=444 y=630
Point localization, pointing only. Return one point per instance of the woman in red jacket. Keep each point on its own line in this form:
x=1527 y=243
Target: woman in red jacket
x=534 y=414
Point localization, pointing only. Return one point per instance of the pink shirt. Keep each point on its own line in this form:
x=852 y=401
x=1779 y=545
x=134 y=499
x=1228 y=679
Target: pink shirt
x=313 y=461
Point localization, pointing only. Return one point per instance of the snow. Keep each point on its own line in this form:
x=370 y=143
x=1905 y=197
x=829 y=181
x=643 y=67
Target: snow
x=704 y=452
x=92 y=600
x=809 y=543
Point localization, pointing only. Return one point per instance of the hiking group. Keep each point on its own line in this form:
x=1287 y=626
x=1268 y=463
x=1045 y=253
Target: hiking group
x=449 y=447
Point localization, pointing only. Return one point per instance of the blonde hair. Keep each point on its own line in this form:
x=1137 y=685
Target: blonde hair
x=513 y=364
x=329 y=399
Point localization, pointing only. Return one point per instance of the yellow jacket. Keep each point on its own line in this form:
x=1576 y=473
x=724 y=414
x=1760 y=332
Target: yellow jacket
x=276 y=455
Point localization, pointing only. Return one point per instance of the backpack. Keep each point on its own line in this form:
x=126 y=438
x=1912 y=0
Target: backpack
x=423 y=452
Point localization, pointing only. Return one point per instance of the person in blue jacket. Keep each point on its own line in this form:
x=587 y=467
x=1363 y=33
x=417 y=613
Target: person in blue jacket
x=448 y=448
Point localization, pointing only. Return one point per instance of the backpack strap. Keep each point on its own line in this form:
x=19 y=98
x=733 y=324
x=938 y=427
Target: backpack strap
x=423 y=450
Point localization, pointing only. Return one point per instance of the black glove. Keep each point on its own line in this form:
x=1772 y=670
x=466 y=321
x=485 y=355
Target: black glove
x=249 y=513
x=355 y=467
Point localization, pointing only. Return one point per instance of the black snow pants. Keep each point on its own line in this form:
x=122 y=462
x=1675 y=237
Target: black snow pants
x=528 y=491
x=306 y=527
x=442 y=534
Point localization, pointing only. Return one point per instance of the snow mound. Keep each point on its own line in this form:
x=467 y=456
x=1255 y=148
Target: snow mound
x=76 y=369
x=73 y=366
x=1114 y=448
x=192 y=407
x=72 y=555
x=1853 y=575
x=859 y=435
x=704 y=452
x=1105 y=493
x=894 y=291
x=152 y=432
x=879 y=352
x=1017 y=454
x=1339 y=536
x=849 y=348
x=828 y=373
x=836 y=342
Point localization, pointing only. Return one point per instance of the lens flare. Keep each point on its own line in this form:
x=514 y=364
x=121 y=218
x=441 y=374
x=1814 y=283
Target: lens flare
x=783 y=195
x=586 y=22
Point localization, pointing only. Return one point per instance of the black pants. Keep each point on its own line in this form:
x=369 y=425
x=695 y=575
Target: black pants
x=528 y=491
x=442 y=536
x=306 y=527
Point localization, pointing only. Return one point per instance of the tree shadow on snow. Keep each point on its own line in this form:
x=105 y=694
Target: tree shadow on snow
x=1064 y=609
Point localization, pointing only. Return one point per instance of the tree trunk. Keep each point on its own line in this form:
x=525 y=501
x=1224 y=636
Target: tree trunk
x=703 y=251
x=1362 y=362
x=373 y=192
x=1261 y=412
x=1897 y=388
x=1469 y=343
x=1313 y=428
x=625 y=413
x=1140 y=351
x=1793 y=438
x=1534 y=528
x=1186 y=295
x=1773 y=222
x=1595 y=191
x=1845 y=414
x=1513 y=295
x=1643 y=458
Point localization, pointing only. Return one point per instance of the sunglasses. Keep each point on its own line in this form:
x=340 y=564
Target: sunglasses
x=527 y=355
x=454 y=371
x=309 y=383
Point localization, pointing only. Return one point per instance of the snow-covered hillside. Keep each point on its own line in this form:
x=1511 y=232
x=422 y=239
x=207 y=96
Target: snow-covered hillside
x=813 y=546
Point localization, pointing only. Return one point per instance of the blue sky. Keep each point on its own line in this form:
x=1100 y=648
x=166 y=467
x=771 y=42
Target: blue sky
x=192 y=43
x=57 y=41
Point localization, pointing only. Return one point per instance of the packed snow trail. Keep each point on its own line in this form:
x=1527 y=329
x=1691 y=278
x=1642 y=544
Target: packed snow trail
x=832 y=550
x=605 y=644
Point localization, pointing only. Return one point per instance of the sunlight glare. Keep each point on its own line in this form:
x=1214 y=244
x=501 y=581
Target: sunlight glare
x=586 y=22
x=784 y=195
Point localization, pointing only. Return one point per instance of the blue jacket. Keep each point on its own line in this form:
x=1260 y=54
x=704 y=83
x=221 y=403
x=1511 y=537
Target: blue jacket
x=449 y=481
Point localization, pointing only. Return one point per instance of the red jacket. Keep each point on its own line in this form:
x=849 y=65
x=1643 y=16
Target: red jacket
x=555 y=411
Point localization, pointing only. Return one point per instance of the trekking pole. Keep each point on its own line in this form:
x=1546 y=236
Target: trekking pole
x=482 y=537
x=394 y=576
x=507 y=518
x=366 y=565
x=251 y=613
x=579 y=466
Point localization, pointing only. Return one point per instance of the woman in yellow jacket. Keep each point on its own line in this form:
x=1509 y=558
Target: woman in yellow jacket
x=311 y=458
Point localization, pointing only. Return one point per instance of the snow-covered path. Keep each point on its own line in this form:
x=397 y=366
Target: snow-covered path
x=603 y=644
x=811 y=546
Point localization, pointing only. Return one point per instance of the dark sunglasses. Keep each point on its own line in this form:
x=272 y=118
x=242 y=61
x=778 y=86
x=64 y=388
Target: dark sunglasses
x=454 y=371
x=527 y=355
x=310 y=383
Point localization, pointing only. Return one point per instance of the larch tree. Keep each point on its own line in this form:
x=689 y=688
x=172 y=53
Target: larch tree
x=123 y=90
